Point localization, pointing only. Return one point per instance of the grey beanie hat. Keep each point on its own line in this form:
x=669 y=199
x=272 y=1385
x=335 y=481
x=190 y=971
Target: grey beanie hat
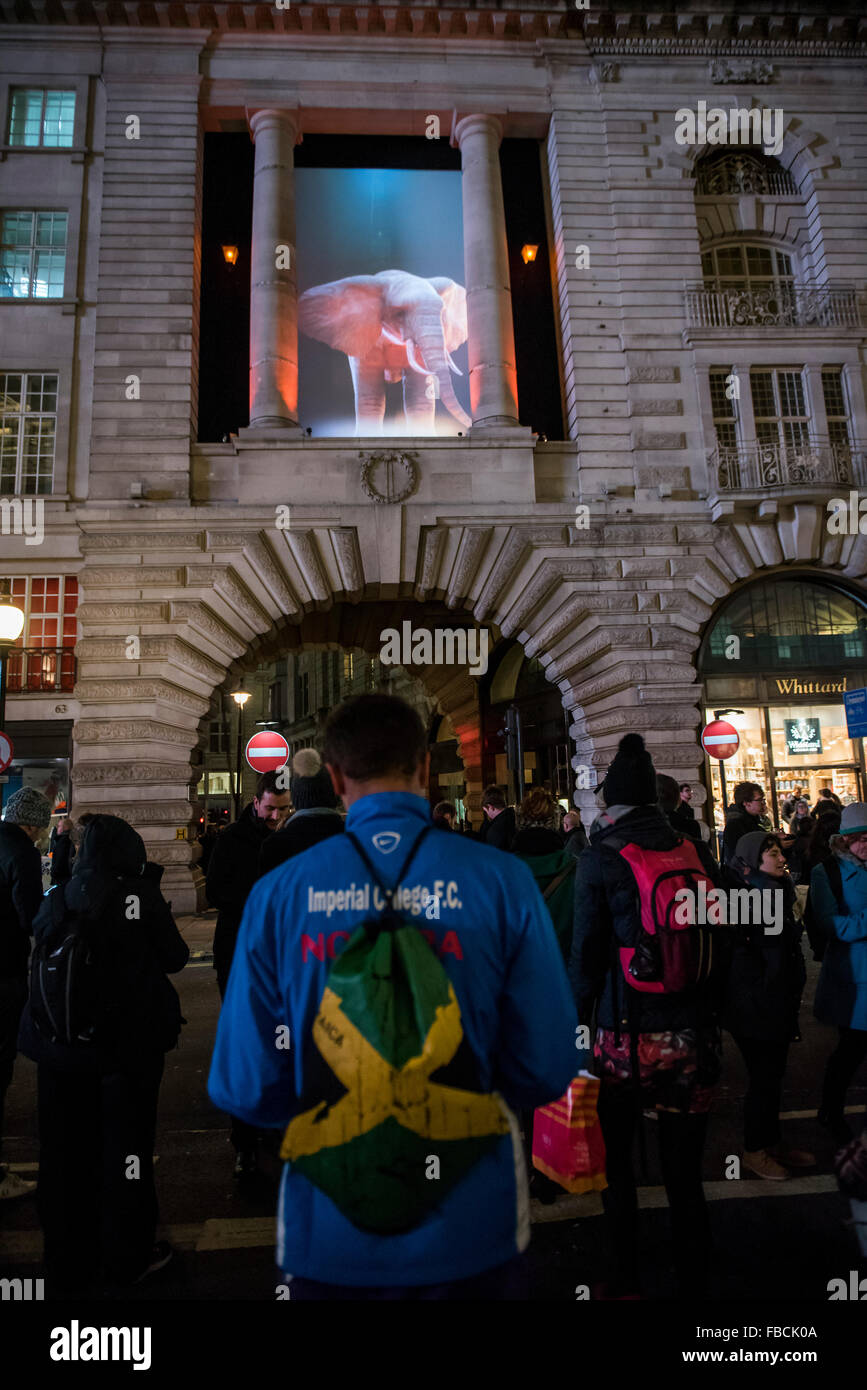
x=27 y=806
x=854 y=818
x=750 y=847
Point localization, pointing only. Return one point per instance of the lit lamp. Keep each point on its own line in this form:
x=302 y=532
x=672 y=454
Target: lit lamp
x=240 y=697
x=11 y=627
x=528 y=253
x=230 y=255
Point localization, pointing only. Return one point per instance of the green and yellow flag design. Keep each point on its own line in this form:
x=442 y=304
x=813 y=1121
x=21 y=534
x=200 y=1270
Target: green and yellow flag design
x=396 y=1080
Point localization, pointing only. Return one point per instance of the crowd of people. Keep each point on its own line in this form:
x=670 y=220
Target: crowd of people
x=541 y=927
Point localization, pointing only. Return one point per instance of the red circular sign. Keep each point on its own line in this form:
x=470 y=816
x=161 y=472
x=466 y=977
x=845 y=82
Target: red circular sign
x=719 y=739
x=266 y=752
x=7 y=751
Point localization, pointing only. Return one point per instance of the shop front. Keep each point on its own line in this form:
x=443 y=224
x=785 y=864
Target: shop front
x=776 y=663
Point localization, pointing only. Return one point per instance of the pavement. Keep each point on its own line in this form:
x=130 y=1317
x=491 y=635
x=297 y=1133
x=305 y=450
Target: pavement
x=772 y=1240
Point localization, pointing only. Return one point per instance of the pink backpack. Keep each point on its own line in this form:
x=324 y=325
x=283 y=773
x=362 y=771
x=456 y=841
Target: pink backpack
x=670 y=955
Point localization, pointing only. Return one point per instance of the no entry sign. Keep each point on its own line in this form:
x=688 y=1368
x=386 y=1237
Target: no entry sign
x=719 y=739
x=7 y=751
x=266 y=752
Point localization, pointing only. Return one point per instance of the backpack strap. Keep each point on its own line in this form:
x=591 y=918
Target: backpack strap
x=388 y=893
x=555 y=882
x=835 y=879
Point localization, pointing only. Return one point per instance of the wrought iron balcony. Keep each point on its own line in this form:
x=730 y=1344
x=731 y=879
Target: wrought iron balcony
x=756 y=467
x=34 y=669
x=782 y=304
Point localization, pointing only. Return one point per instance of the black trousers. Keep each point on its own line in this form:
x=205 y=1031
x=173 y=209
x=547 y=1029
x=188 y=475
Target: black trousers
x=766 y=1067
x=97 y=1216
x=681 y=1146
x=242 y=1135
x=13 y=993
x=843 y=1063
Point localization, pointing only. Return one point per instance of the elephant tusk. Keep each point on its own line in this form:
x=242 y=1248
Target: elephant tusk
x=413 y=360
x=453 y=364
x=391 y=337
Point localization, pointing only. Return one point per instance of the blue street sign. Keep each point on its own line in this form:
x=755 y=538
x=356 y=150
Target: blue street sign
x=855 y=702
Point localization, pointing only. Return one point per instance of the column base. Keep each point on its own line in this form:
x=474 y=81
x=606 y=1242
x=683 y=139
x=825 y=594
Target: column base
x=500 y=427
x=269 y=429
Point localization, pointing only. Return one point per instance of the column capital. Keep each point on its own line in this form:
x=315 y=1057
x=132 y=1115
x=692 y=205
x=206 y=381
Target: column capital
x=281 y=118
x=476 y=123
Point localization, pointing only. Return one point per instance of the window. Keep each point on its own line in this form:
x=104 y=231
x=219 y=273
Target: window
x=348 y=666
x=723 y=409
x=32 y=255
x=790 y=623
x=41 y=117
x=834 y=393
x=780 y=408
x=302 y=694
x=43 y=658
x=275 y=701
x=218 y=741
x=745 y=267
x=28 y=423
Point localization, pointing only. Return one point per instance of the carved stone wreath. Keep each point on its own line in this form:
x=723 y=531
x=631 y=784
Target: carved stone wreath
x=390 y=476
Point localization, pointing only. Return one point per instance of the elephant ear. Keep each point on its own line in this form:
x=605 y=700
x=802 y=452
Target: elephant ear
x=345 y=314
x=454 y=298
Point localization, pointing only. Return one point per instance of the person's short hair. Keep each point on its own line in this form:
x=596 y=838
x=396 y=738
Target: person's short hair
x=667 y=792
x=492 y=796
x=268 y=783
x=445 y=808
x=746 y=791
x=684 y=786
x=826 y=792
x=371 y=736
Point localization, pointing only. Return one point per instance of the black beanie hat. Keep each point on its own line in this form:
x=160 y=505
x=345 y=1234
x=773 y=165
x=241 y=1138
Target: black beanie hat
x=631 y=778
x=310 y=782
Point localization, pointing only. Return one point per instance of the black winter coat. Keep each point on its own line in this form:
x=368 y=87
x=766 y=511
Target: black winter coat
x=142 y=1013
x=302 y=830
x=767 y=973
x=232 y=872
x=738 y=822
x=684 y=821
x=500 y=831
x=607 y=908
x=20 y=897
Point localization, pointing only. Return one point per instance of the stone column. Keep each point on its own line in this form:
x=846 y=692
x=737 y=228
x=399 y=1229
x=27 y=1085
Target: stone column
x=273 y=290
x=491 y=347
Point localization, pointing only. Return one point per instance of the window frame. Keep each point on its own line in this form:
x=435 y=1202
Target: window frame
x=46 y=93
x=781 y=419
x=34 y=249
x=22 y=414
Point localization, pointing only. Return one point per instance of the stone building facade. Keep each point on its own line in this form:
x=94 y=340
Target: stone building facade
x=605 y=554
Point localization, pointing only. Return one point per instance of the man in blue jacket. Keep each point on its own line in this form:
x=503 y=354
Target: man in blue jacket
x=488 y=924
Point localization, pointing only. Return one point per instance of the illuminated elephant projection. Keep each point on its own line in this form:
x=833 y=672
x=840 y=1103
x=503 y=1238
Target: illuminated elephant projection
x=393 y=327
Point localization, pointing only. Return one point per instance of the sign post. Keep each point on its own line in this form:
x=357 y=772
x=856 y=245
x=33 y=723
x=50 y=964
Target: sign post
x=7 y=752
x=721 y=740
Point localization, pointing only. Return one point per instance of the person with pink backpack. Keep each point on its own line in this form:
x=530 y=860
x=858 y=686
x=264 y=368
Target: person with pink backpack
x=646 y=981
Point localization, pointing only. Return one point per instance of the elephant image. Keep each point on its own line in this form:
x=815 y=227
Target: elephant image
x=393 y=326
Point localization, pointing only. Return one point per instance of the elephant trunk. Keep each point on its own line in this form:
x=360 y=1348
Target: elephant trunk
x=427 y=334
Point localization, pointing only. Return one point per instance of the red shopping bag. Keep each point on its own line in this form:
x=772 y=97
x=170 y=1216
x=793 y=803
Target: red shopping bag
x=567 y=1139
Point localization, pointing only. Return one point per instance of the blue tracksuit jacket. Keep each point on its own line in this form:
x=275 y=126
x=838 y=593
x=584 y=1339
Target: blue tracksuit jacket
x=497 y=945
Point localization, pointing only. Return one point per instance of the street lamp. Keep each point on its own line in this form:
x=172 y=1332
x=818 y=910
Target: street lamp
x=240 y=697
x=11 y=627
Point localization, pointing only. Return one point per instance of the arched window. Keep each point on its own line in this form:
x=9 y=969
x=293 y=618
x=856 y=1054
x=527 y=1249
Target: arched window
x=786 y=623
x=750 y=284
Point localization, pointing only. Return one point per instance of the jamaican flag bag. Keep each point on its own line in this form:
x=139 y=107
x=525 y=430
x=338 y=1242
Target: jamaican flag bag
x=390 y=1081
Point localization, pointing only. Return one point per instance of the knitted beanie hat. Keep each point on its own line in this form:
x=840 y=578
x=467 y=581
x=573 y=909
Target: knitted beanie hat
x=27 y=806
x=631 y=778
x=750 y=847
x=854 y=818
x=310 y=782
